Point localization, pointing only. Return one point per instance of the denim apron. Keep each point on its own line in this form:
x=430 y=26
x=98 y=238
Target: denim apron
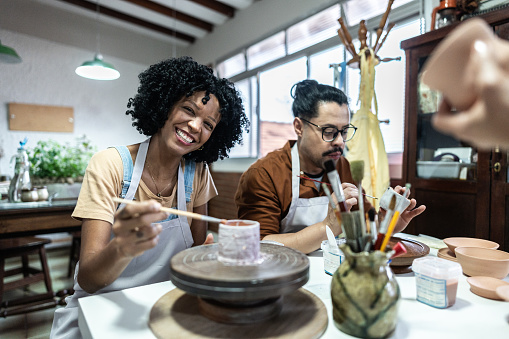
x=302 y=212
x=153 y=265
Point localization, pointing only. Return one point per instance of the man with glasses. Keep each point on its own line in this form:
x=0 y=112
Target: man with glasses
x=283 y=190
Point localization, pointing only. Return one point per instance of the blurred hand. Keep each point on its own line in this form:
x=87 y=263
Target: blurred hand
x=209 y=240
x=486 y=122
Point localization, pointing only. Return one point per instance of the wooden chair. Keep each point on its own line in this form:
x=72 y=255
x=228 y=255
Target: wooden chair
x=22 y=247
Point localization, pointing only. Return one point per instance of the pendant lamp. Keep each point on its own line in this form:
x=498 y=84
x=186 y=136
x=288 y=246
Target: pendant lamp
x=9 y=55
x=97 y=69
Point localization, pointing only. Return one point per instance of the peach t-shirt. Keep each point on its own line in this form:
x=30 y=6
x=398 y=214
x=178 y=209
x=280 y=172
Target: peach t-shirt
x=103 y=180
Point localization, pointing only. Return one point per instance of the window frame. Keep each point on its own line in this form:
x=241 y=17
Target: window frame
x=405 y=13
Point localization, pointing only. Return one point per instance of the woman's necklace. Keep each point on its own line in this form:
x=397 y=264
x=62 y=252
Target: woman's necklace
x=152 y=177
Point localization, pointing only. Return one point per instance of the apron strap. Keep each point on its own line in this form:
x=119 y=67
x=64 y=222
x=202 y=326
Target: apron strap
x=127 y=164
x=295 y=173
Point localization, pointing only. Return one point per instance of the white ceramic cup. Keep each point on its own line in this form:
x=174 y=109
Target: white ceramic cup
x=401 y=202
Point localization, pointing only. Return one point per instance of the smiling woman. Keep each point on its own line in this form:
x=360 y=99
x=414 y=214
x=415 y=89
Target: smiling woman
x=191 y=118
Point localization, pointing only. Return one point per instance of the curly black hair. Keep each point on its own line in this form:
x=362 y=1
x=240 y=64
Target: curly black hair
x=308 y=94
x=163 y=84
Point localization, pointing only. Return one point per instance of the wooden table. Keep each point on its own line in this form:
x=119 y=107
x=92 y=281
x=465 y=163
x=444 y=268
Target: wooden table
x=22 y=219
x=125 y=314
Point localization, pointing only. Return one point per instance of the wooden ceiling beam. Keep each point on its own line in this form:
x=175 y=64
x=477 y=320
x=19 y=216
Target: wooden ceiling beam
x=172 y=13
x=216 y=6
x=130 y=19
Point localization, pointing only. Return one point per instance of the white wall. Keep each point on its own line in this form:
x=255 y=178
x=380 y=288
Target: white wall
x=46 y=77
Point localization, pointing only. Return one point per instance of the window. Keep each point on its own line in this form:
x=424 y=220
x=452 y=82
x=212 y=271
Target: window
x=232 y=66
x=276 y=117
x=357 y=10
x=267 y=50
x=308 y=49
x=248 y=91
x=320 y=66
x=313 y=30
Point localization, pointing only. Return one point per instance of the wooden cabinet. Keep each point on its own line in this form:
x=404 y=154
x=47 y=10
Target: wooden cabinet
x=473 y=202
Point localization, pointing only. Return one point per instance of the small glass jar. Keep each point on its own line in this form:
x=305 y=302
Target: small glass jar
x=29 y=195
x=42 y=192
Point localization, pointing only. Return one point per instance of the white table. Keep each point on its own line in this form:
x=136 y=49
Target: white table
x=125 y=314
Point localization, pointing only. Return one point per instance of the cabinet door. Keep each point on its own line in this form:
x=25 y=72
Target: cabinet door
x=500 y=199
x=448 y=176
x=499 y=231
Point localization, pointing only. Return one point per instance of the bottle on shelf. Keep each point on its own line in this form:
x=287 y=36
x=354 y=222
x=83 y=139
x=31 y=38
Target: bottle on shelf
x=21 y=179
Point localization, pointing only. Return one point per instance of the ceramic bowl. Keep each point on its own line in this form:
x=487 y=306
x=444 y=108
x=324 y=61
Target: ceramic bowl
x=452 y=243
x=477 y=261
x=503 y=292
x=486 y=286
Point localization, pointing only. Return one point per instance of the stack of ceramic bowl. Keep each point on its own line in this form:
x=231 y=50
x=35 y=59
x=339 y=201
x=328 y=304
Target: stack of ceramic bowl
x=485 y=265
x=448 y=252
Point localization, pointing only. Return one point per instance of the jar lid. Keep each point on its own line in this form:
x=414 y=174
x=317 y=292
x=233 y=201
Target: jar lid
x=436 y=267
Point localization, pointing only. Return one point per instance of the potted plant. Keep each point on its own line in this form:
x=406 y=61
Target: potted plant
x=58 y=165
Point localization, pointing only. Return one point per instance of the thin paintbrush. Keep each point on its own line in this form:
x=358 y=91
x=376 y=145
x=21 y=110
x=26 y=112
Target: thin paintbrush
x=321 y=182
x=371 y=216
x=390 y=230
x=407 y=190
x=333 y=176
x=175 y=211
x=357 y=169
x=385 y=222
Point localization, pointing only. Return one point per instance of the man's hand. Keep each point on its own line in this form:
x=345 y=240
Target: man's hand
x=409 y=213
x=351 y=194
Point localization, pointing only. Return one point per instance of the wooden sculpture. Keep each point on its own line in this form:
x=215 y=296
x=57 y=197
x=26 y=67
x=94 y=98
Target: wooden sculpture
x=368 y=144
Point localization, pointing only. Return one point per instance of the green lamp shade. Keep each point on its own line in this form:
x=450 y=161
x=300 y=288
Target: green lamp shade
x=8 y=55
x=97 y=69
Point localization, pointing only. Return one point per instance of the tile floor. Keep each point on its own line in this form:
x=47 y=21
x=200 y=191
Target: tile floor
x=37 y=325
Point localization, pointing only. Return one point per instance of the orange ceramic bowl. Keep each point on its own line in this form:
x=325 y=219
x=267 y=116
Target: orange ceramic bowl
x=477 y=261
x=452 y=243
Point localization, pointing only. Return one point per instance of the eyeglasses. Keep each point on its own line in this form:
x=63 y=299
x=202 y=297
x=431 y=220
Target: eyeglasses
x=329 y=134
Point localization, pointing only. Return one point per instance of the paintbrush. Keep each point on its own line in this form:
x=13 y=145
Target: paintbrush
x=331 y=201
x=407 y=190
x=385 y=222
x=390 y=230
x=357 y=169
x=175 y=211
x=371 y=216
x=335 y=182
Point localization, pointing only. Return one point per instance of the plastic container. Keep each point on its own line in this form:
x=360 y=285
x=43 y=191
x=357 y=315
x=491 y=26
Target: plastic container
x=436 y=281
x=332 y=257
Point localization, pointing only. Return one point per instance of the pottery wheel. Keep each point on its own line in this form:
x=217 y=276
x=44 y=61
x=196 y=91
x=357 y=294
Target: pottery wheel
x=175 y=315
x=198 y=272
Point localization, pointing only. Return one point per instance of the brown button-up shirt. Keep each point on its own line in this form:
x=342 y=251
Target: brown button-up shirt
x=265 y=189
